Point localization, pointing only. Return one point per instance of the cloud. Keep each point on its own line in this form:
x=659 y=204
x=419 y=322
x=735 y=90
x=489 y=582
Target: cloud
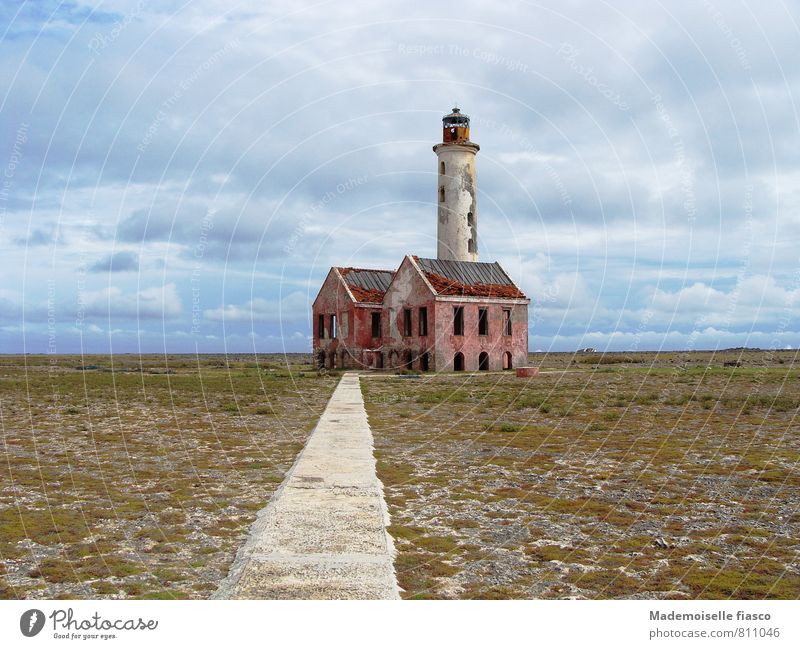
x=674 y=339
x=231 y=232
x=690 y=300
x=154 y=303
x=9 y=310
x=293 y=307
x=40 y=237
x=116 y=263
x=752 y=303
x=646 y=152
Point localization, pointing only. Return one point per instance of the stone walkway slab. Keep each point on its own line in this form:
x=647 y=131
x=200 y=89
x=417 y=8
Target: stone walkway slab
x=323 y=534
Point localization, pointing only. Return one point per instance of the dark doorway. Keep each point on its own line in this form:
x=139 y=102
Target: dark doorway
x=407 y=360
x=320 y=359
x=424 y=362
x=483 y=361
x=458 y=362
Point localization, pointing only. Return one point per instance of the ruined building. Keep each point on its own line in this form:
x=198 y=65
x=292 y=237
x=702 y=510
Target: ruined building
x=449 y=313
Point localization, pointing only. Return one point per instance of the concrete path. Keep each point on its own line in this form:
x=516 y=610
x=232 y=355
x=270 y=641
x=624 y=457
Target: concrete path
x=323 y=534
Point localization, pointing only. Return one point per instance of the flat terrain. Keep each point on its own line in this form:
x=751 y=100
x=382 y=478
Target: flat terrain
x=630 y=476
x=624 y=475
x=139 y=477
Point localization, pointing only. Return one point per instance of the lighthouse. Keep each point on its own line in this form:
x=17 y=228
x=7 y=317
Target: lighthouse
x=457 y=232
x=450 y=313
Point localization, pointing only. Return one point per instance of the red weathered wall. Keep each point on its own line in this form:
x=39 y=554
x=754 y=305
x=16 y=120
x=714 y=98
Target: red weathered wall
x=471 y=344
x=407 y=291
x=332 y=299
x=357 y=349
x=354 y=339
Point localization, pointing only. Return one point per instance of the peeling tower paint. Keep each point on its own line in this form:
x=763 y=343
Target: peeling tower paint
x=457 y=233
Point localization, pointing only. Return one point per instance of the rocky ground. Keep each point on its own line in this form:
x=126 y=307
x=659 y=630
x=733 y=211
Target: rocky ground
x=140 y=476
x=623 y=476
x=626 y=475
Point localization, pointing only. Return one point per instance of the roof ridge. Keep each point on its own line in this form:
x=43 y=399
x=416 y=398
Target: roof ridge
x=364 y=270
x=458 y=261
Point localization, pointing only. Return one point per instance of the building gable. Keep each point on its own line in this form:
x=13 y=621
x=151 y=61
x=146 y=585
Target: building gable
x=408 y=290
x=333 y=290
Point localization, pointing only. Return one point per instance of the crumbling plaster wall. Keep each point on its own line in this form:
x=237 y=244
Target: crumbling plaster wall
x=471 y=344
x=407 y=291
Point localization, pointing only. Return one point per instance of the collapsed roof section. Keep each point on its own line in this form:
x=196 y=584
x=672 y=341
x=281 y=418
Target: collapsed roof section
x=447 y=277
x=468 y=278
x=367 y=285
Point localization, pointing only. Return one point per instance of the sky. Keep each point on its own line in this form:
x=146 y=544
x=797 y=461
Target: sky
x=180 y=176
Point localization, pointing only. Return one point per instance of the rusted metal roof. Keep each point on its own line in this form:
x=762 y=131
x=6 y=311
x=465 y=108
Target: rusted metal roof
x=470 y=278
x=367 y=285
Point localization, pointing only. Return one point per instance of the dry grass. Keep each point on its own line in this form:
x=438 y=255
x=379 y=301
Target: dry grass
x=666 y=477
x=139 y=477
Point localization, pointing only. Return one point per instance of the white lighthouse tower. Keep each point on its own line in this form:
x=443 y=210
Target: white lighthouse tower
x=458 y=215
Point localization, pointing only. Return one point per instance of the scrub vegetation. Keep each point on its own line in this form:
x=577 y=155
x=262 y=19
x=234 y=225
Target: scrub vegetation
x=139 y=477
x=607 y=476
x=632 y=475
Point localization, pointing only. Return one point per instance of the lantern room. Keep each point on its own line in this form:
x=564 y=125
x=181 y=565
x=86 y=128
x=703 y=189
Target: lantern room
x=455 y=127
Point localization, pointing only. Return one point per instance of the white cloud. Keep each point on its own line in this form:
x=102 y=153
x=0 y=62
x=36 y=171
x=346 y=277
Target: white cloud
x=689 y=300
x=294 y=306
x=753 y=302
x=590 y=198
x=675 y=339
x=154 y=303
